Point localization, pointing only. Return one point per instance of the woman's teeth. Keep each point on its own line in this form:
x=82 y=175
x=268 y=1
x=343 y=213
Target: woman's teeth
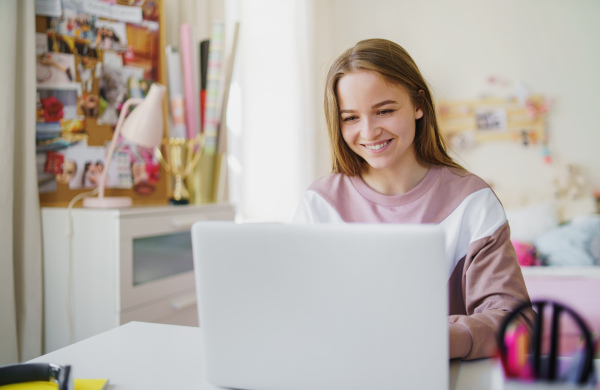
x=377 y=146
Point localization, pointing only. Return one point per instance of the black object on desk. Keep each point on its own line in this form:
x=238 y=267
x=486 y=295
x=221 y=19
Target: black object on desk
x=519 y=363
x=31 y=372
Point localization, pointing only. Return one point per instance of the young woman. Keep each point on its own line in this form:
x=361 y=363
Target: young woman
x=390 y=165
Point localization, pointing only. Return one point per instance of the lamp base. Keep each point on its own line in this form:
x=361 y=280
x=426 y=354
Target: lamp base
x=111 y=202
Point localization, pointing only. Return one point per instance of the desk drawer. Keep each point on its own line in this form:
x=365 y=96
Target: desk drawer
x=180 y=309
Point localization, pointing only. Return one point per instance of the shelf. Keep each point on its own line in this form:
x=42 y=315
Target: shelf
x=562 y=271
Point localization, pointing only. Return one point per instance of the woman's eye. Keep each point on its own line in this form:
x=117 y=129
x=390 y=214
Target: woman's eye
x=349 y=118
x=384 y=112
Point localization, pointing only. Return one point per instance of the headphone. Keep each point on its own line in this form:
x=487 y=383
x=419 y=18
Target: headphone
x=30 y=372
x=541 y=367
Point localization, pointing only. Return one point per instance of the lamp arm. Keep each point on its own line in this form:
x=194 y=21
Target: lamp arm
x=114 y=141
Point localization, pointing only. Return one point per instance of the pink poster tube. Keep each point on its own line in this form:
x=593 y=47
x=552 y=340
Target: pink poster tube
x=190 y=87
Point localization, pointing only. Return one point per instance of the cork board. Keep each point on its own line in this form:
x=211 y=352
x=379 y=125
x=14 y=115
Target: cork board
x=90 y=58
x=494 y=119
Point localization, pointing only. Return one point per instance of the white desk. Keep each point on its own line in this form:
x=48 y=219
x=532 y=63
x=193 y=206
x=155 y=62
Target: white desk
x=149 y=356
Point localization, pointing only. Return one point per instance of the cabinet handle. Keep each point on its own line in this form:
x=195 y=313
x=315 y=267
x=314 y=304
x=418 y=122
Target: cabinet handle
x=186 y=222
x=183 y=302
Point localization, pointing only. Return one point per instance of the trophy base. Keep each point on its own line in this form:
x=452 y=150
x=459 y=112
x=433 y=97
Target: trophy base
x=178 y=202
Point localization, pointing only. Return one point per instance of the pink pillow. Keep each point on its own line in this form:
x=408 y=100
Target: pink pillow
x=526 y=254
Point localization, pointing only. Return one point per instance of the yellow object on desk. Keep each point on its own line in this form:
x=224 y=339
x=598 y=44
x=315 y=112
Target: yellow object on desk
x=79 y=384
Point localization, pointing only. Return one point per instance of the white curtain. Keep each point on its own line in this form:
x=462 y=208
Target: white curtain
x=20 y=228
x=272 y=111
x=277 y=84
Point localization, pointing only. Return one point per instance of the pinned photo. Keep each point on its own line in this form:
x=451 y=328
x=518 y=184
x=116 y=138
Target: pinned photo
x=143 y=166
x=41 y=44
x=57 y=113
x=74 y=21
x=67 y=44
x=56 y=102
x=491 y=119
x=88 y=72
x=113 y=90
x=110 y=36
x=90 y=105
x=55 y=68
x=83 y=166
x=150 y=10
x=143 y=48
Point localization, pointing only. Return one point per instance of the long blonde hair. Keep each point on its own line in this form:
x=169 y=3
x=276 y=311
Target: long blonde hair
x=395 y=65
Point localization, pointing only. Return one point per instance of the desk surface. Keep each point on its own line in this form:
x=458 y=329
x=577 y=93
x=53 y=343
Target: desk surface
x=149 y=356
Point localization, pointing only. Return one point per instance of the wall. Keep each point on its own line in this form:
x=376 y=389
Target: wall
x=200 y=14
x=551 y=46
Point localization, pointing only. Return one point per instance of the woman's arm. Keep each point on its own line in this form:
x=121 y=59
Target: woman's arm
x=492 y=286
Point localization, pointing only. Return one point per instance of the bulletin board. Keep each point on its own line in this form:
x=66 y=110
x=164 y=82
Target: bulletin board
x=91 y=56
x=494 y=119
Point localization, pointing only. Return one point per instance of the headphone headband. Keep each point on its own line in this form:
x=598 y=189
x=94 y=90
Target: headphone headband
x=30 y=372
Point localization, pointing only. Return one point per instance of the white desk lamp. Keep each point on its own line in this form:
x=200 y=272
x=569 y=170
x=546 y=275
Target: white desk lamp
x=143 y=127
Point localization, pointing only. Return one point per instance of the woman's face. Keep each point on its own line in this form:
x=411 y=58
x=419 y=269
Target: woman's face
x=68 y=170
x=377 y=120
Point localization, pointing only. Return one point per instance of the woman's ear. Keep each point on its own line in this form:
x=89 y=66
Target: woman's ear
x=419 y=108
x=418 y=113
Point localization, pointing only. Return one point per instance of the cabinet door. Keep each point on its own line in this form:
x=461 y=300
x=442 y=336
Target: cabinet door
x=80 y=286
x=156 y=256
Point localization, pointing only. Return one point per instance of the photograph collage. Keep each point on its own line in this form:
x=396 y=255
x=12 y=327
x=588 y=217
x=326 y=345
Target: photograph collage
x=91 y=56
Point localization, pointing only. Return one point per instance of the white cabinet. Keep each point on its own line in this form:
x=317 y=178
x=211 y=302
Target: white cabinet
x=119 y=265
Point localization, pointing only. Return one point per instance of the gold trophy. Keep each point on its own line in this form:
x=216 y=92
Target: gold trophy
x=181 y=155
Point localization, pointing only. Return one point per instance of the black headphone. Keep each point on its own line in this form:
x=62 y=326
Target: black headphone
x=30 y=372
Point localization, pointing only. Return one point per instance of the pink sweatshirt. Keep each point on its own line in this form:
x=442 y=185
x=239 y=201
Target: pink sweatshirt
x=484 y=278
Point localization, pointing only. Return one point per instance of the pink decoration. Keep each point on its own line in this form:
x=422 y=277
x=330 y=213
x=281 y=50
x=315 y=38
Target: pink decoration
x=526 y=254
x=535 y=109
x=189 y=81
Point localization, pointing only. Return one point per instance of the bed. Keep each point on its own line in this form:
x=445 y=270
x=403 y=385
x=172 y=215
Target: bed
x=558 y=247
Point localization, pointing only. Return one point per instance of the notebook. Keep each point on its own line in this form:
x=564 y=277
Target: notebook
x=78 y=384
x=322 y=307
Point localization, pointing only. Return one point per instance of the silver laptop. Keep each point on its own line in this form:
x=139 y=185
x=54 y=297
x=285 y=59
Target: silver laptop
x=322 y=307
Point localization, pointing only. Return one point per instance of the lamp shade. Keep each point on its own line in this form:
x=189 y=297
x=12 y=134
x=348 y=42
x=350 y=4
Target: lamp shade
x=144 y=125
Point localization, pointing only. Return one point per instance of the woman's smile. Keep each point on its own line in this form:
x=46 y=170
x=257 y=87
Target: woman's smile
x=377 y=147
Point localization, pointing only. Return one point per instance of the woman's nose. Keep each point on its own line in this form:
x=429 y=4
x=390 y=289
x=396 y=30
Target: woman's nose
x=370 y=129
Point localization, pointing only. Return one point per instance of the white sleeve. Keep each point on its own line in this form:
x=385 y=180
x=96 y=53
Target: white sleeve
x=478 y=216
x=314 y=209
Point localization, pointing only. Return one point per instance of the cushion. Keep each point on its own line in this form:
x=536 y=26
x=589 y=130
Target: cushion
x=570 y=243
x=530 y=222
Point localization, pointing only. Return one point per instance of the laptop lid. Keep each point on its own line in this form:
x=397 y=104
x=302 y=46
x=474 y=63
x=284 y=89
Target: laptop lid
x=349 y=306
